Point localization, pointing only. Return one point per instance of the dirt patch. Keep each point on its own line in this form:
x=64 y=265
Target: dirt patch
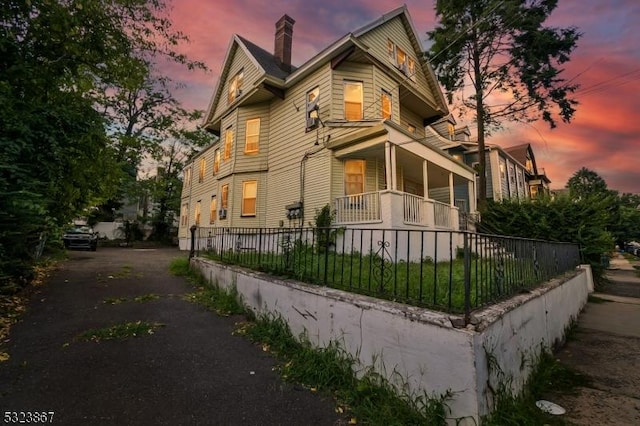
x=613 y=364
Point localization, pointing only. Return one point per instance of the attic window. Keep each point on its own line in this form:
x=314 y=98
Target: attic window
x=235 y=87
x=353 y=100
x=452 y=131
x=401 y=60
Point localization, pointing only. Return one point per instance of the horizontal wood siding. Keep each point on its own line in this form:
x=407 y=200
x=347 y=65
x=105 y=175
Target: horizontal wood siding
x=352 y=71
x=226 y=166
x=252 y=161
x=235 y=200
x=396 y=31
x=409 y=117
x=382 y=81
x=239 y=61
x=288 y=143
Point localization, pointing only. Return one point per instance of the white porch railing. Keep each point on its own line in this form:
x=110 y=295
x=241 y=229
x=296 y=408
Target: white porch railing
x=358 y=208
x=442 y=214
x=413 y=209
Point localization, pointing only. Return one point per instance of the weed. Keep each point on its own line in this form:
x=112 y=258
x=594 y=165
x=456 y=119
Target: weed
x=146 y=298
x=179 y=266
x=114 y=300
x=120 y=331
x=548 y=377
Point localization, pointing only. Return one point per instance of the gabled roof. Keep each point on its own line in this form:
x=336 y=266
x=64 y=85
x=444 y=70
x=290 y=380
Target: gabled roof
x=266 y=63
x=519 y=152
x=266 y=60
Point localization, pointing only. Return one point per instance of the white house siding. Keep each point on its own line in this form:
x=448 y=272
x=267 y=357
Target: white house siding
x=352 y=71
x=250 y=73
x=396 y=31
x=288 y=142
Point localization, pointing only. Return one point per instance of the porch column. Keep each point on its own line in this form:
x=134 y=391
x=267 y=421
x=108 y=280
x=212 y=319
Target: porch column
x=425 y=179
x=390 y=165
x=451 y=194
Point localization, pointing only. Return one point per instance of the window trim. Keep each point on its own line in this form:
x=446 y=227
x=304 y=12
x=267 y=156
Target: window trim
x=247 y=135
x=245 y=184
x=197 y=213
x=363 y=174
x=213 y=210
x=360 y=84
x=202 y=169
x=216 y=161
x=389 y=96
x=224 y=196
x=312 y=117
x=234 y=91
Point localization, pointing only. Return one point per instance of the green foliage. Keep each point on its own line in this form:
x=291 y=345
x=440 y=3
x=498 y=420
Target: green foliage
x=120 y=331
x=559 y=219
x=502 y=48
x=66 y=68
x=369 y=398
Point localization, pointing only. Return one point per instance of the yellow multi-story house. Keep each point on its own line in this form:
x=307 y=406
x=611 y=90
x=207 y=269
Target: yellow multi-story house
x=345 y=129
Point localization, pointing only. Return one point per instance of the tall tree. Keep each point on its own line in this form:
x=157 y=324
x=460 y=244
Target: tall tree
x=510 y=59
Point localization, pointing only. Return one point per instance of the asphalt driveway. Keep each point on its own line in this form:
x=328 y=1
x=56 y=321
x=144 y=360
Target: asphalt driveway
x=191 y=371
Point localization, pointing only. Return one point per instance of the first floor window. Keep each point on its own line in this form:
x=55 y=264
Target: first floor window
x=224 y=199
x=354 y=177
x=249 y=194
x=213 y=210
x=184 y=217
x=197 y=213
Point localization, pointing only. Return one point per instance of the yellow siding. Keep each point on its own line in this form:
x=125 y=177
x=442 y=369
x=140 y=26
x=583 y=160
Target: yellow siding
x=352 y=71
x=239 y=61
x=252 y=161
x=382 y=81
x=396 y=31
x=409 y=117
x=288 y=143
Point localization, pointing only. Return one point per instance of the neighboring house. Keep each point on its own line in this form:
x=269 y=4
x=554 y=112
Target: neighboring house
x=346 y=128
x=511 y=172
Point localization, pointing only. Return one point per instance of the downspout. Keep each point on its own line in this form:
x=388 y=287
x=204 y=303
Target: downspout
x=305 y=157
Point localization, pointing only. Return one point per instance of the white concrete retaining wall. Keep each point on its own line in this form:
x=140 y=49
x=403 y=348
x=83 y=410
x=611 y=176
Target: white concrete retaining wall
x=421 y=345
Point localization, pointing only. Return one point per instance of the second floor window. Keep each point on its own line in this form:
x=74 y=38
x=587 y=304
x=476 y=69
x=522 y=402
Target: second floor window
x=187 y=177
x=203 y=168
x=252 y=139
x=312 y=108
x=353 y=100
x=235 y=87
x=216 y=161
x=354 y=177
x=386 y=105
x=228 y=143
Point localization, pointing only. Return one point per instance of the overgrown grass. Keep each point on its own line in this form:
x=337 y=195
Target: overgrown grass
x=370 y=399
x=595 y=299
x=207 y=294
x=120 y=331
x=437 y=285
x=548 y=378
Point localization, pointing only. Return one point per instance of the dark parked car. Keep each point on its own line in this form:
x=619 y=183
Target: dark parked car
x=80 y=237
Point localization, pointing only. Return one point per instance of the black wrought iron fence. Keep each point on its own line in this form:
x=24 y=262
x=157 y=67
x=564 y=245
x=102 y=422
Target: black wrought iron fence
x=450 y=271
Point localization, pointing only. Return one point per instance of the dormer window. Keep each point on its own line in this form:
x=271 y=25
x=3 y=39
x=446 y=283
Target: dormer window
x=235 y=87
x=401 y=60
x=452 y=131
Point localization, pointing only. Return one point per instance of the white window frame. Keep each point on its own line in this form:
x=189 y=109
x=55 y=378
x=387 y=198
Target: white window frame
x=224 y=196
x=235 y=87
x=245 y=185
x=348 y=181
x=384 y=94
x=229 y=134
x=197 y=213
x=202 y=169
x=216 y=161
x=252 y=139
x=213 y=212
x=359 y=85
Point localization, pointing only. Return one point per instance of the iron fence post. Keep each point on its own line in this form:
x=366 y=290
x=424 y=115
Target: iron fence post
x=467 y=279
x=326 y=254
x=193 y=241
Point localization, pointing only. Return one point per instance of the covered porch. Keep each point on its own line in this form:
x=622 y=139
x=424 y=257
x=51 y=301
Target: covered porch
x=394 y=181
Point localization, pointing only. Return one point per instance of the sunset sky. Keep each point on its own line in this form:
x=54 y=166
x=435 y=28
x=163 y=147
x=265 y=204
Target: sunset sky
x=604 y=135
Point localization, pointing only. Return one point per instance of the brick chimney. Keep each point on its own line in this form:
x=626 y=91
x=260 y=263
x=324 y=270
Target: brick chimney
x=284 y=37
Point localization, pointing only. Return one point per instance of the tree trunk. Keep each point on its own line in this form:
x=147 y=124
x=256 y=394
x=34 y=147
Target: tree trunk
x=482 y=164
